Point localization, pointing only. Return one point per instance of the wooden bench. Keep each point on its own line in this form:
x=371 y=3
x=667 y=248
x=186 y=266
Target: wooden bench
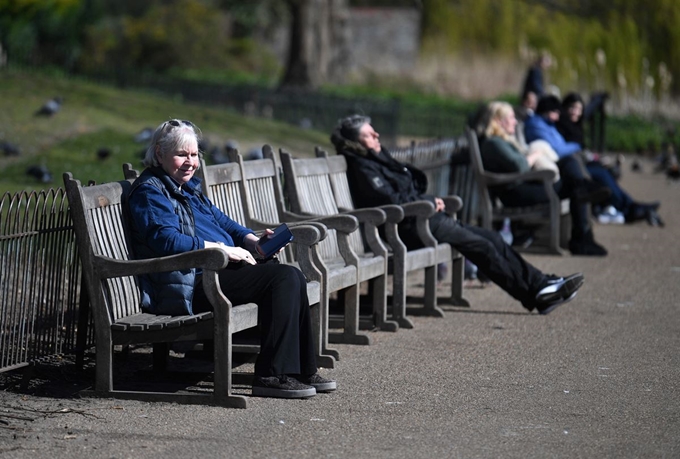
x=554 y=214
x=309 y=192
x=403 y=261
x=336 y=256
x=114 y=293
x=225 y=187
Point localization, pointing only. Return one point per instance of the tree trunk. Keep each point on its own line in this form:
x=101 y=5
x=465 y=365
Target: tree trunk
x=318 y=42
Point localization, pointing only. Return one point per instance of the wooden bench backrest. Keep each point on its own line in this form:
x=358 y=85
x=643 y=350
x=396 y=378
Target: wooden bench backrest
x=226 y=187
x=265 y=197
x=98 y=221
x=308 y=183
x=262 y=186
x=433 y=157
x=222 y=184
x=337 y=173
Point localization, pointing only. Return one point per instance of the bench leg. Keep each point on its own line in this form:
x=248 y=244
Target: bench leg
x=350 y=333
x=399 y=282
x=379 y=288
x=457 y=278
x=160 y=357
x=325 y=357
x=430 y=308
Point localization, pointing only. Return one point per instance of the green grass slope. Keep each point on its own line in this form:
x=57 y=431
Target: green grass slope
x=95 y=116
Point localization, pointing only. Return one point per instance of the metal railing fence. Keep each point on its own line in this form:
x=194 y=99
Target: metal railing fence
x=39 y=278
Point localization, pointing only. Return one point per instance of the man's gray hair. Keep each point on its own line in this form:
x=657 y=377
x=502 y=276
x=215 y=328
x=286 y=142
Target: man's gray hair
x=351 y=125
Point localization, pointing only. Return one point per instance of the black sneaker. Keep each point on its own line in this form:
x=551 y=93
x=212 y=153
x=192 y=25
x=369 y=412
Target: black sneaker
x=319 y=383
x=558 y=291
x=281 y=386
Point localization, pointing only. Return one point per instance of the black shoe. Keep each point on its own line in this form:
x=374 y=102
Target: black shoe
x=653 y=218
x=559 y=290
x=318 y=382
x=587 y=248
x=591 y=192
x=282 y=387
x=640 y=211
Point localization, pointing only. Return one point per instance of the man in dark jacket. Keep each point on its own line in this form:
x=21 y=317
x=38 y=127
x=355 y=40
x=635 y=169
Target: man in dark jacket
x=375 y=179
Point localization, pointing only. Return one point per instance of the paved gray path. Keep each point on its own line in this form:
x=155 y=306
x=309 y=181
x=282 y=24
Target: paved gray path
x=597 y=378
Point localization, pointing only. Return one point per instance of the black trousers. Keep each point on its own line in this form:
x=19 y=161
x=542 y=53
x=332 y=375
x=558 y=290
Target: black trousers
x=280 y=291
x=496 y=259
x=571 y=177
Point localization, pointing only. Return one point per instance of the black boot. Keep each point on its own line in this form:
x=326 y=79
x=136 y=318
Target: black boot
x=586 y=245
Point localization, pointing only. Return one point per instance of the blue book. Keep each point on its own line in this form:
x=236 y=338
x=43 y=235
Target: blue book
x=272 y=243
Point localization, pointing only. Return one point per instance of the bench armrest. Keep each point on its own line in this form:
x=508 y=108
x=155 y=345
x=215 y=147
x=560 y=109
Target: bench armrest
x=373 y=216
x=343 y=223
x=493 y=179
x=422 y=210
x=453 y=204
x=307 y=235
x=210 y=259
x=418 y=209
x=393 y=213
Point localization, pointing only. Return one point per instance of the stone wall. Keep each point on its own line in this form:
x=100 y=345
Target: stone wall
x=384 y=40
x=375 y=40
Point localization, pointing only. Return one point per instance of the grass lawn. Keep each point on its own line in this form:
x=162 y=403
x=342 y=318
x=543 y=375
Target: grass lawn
x=95 y=116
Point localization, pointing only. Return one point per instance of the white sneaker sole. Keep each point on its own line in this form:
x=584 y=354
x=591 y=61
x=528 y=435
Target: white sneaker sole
x=283 y=393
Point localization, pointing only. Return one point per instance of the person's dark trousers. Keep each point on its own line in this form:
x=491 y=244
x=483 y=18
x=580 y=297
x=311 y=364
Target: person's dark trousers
x=280 y=291
x=572 y=177
x=619 y=198
x=496 y=259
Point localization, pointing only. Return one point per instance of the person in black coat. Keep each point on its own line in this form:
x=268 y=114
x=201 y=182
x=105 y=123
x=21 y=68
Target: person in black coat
x=534 y=81
x=375 y=178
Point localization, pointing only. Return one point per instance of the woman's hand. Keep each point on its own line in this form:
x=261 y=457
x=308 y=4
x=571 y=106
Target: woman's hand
x=251 y=241
x=234 y=253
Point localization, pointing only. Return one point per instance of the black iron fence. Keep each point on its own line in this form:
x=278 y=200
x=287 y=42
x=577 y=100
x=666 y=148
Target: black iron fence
x=40 y=278
x=319 y=110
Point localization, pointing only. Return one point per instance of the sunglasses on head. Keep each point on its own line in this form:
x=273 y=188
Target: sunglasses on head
x=177 y=123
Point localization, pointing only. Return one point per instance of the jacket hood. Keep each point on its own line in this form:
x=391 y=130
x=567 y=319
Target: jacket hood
x=345 y=145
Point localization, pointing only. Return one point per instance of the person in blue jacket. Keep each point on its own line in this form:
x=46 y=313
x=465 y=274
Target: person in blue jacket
x=168 y=214
x=542 y=126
